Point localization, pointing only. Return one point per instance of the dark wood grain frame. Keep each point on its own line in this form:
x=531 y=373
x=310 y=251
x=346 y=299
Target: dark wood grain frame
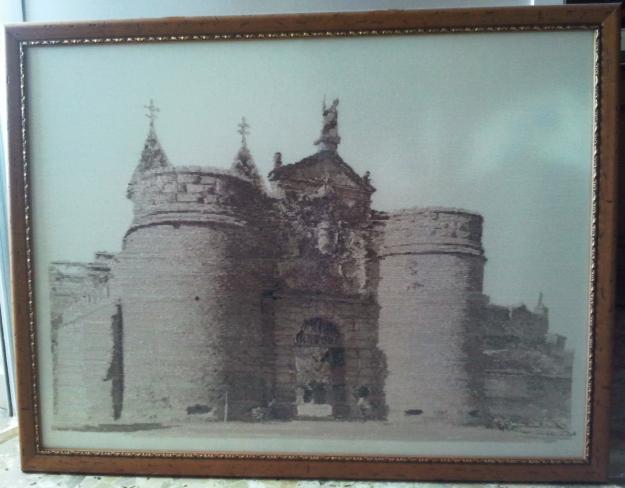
x=604 y=20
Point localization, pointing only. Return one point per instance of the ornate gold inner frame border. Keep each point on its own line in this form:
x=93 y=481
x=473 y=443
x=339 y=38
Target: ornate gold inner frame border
x=603 y=21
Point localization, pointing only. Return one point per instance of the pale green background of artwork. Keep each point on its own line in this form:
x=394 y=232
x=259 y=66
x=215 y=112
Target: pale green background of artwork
x=496 y=123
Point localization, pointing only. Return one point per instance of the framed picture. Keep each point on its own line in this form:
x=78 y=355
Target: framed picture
x=368 y=245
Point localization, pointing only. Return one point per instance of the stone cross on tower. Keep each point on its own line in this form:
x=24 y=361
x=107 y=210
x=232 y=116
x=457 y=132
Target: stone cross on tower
x=243 y=162
x=243 y=130
x=152 y=156
x=152 y=111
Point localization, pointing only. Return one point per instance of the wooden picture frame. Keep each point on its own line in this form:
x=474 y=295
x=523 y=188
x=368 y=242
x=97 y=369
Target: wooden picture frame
x=58 y=360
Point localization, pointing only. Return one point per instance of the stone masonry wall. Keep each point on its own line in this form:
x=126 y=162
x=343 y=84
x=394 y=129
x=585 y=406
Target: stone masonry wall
x=191 y=194
x=79 y=283
x=431 y=272
x=527 y=372
x=82 y=352
x=519 y=399
x=82 y=341
x=191 y=273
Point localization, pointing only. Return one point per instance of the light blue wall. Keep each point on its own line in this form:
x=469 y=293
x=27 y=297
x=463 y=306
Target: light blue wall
x=60 y=10
x=7 y=383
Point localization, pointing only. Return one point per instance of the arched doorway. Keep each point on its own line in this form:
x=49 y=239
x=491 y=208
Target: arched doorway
x=320 y=367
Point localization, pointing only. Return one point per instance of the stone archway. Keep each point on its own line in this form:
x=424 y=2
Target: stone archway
x=320 y=369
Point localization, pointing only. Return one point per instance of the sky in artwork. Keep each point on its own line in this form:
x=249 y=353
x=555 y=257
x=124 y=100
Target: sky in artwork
x=501 y=128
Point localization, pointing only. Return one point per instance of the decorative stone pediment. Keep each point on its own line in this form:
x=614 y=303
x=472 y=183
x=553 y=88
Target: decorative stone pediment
x=322 y=168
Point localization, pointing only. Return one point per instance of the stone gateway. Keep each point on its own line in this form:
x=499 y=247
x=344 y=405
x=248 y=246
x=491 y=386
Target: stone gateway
x=236 y=299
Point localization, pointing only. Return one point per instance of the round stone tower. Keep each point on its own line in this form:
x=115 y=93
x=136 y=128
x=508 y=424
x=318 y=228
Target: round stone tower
x=430 y=295
x=191 y=276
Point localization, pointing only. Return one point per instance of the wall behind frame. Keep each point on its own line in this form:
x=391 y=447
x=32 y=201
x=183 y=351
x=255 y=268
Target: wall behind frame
x=65 y=10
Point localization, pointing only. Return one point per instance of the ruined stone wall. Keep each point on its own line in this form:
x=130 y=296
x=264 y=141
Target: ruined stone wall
x=82 y=342
x=72 y=283
x=82 y=352
x=507 y=327
x=517 y=399
x=192 y=271
x=358 y=367
x=527 y=371
x=430 y=297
